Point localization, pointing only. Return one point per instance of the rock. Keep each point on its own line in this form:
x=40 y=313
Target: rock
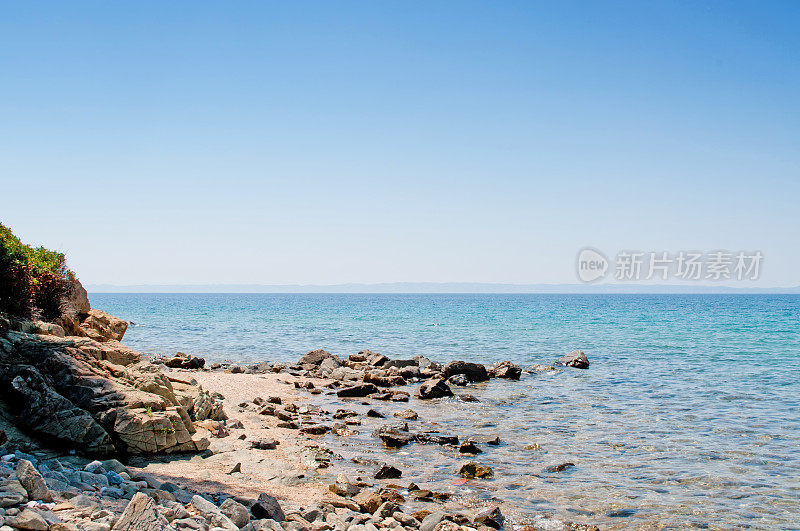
x=387 y=471
x=316 y=357
x=100 y=326
x=33 y=482
x=236 y=468
x=434 y=389
x=12 y=493
x=576 y=359
x=236 y=512
x=375 y=414
x=367 y=501
x=141 y=515
x=469 y=447
x=559 y=468
x=506 y=369
x=264 y=443
x=213 y=514
x=394 y=438
x=28 y=519
x=344 y=487
x=315 y=429
x=340 y=501
x=184 y=361
x=491 y=517
x=430 y=521
x=475 y=372
x=447 y=526
x=494 y=440
x=360 y=390
x=407 y=414
x=460 y=380
x=373 y=358
x=541 y=368
x=267 y=507
x=386 y=509
x=474 y=470
x=384 y=381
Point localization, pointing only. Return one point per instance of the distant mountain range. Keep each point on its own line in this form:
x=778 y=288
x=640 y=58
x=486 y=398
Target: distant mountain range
x=434 y=287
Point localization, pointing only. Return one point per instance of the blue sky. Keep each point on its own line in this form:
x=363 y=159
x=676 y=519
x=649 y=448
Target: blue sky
x=332 y=142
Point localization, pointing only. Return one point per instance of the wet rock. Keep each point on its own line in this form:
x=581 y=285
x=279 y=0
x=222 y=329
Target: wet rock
x=267 y=507
x=559 y=468
x=367 y=501
x=491 y=517
x=33 y=482
x=387 y=471
x=434 y=389
x=360 y=390
x=469 y=447
x=494 y=440
x=506 y=369
x=467 y=398
x=384 y=381
x=475 y=372
x=407 y=414
x=576 y=359
x=394 y=438
x=541 y=368
x=431 y=438
x=344 y=487
x=375 y=414
x=474 y=470
x=141 y=515
x=316 y=357
x=460 y=380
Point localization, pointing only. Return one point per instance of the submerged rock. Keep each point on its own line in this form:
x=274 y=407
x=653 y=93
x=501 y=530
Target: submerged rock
x=474 y=470
x=559 y=468
x=576 y=359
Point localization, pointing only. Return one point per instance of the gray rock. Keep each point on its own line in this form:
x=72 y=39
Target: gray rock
x=475 y=372
x=431 y=521
x=236 y=512
x=386 y=509
x=141 y=515
x=28 y=519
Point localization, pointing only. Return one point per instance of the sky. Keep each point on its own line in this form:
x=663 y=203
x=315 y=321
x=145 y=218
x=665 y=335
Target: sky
x=338 y=142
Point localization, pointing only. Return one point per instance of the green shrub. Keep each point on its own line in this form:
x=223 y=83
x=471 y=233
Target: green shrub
x=33 y=281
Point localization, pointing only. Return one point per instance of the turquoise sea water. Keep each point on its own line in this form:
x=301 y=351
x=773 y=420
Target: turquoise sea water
x=687 y=417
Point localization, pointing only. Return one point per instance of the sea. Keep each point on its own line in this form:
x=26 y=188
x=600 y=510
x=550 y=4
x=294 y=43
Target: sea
x=687 y=417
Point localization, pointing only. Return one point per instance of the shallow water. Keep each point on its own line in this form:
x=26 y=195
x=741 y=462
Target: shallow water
x=687 y=416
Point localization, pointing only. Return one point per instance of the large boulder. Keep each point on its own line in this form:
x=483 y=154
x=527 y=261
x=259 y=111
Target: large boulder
x=99 y=398
x=100 y=326
x=474 y=371
x=576 y=359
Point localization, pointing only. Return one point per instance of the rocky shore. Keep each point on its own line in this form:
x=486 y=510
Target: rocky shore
x=96 y=436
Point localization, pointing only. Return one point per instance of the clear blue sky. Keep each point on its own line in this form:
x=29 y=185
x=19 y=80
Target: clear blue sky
x=328 y=142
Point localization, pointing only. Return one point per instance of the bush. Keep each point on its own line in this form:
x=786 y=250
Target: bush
x=33 y=281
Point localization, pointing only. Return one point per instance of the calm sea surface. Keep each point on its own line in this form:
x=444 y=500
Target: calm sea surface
x=688 y=415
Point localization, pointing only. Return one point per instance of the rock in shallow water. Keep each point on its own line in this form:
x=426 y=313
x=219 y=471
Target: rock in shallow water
x=434 y=389
x=576 y=359
x=474 y=470
x=387 y=471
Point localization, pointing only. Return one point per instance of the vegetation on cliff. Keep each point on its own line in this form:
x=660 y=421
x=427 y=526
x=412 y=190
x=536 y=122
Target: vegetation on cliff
x=34 y=281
